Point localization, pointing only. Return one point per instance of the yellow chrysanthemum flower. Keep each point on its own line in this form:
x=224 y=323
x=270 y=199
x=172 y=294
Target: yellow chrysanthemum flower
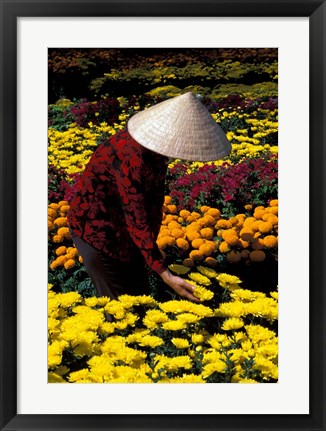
x=232 y=323
x=219 y=367
x=208 y=272
x=203 y=294
x=180 y=343
x=151 y=341
x=199 y=278
x=227 y=280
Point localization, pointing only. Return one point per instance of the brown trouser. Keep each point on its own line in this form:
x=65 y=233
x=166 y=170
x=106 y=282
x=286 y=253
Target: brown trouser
x=111 y=277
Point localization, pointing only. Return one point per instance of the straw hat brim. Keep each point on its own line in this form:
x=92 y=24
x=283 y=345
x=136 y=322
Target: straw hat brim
x=180 y=128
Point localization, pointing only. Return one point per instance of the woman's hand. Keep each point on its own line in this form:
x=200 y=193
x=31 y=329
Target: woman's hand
x=179 y=285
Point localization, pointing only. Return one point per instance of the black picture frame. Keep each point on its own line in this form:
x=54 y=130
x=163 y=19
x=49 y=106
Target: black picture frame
x=10 y=10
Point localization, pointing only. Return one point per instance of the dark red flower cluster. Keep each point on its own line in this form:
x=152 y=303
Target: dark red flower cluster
x=227 y=187
x=107 y=110
x=60 y=185
x=233 y=101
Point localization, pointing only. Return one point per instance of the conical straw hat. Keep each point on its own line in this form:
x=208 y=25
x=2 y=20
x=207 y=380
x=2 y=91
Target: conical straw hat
x=180 y=128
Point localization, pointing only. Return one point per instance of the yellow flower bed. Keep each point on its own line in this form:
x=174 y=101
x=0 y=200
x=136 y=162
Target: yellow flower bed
x=167 y=343
x=71 y=149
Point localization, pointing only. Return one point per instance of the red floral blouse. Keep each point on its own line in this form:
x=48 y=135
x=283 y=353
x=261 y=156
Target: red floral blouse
x=118 y=205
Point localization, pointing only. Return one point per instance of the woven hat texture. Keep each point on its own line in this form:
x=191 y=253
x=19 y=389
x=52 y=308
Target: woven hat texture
x=181 y=128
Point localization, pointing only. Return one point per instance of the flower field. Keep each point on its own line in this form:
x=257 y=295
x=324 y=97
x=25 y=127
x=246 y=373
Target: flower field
x=219 y=226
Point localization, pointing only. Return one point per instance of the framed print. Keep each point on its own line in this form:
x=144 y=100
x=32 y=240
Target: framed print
x=32 y=30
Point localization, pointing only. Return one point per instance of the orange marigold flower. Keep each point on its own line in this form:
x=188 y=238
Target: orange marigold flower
x=178 y=233
x=230 y=236
x=182 y=243
x=204 y=208
x=196 y=243
x=224 y=247
x=257 y=244
x=61 y=221
x=271 y=218
x=196 y=255
x=255 y=225
x=248 y=207
x=193 y=226
x=63 y=203
x=54 y=206
x=272 y=210
x=214 y=212
x=168 y=218
x=245 y=254
x=244 y=244
x=51 y=212
x=53 y=265
x=64 y=232
x=233 y=256
x=223 y=224
x=72 y=252
x=165 y=242
x=270 y=241
x=257 y=256
x=194 y=216
x=57 y=238
x=210 y=261
x=246 y=234
x=69 y=264
x=164 y=232
x=207 y=220
x=61 y=250
x=265 y=227
x=207 y=233
x=257 y=234
x=234 y=221
x=80 y=259
x=180 y=220
x=50 y=225
x=167 y=200
x=258 y=214
x=173 y=224
x=273 y=203
x=61 y=260
x=249 y=221
x=208 y=248
x=65 y=208
x=192 y=234
x=184 y=214
x=172 y=209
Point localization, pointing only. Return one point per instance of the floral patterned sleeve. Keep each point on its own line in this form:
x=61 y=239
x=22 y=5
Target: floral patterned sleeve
x=135 y=179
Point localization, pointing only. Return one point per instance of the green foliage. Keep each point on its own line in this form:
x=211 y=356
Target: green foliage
x=196 y=74
x=73 y=280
